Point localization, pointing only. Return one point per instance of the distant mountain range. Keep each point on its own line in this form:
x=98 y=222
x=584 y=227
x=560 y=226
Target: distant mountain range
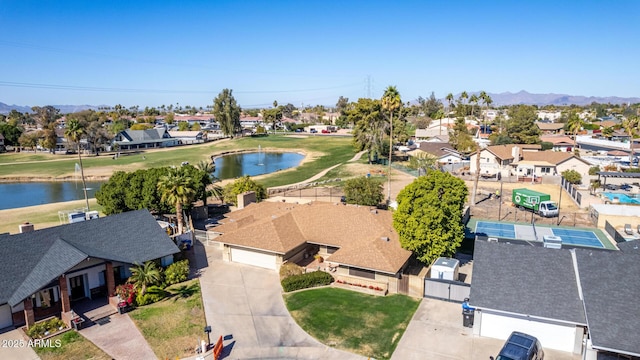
x=523 y=97
x=505 y=98
x=64 y=109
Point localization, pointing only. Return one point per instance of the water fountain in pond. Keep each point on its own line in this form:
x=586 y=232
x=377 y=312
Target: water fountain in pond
x=260 y=162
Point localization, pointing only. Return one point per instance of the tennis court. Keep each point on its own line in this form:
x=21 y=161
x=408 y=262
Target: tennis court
x=528 y=232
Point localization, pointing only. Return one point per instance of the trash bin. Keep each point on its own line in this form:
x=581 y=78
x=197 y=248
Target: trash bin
x=467 y=317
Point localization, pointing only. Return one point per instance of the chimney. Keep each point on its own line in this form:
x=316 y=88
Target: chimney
x=246 y=198
x=515 y=152
x=385 y=238
x=26 y=227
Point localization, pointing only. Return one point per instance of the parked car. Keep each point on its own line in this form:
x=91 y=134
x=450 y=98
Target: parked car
x=613 y=187
x=313 y=131
x=325 y=131
x=298 y=130
x=521 y=346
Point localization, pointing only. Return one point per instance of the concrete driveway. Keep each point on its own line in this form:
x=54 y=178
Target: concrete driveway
x=14 y=346
x=436 y=332
x=244 y=305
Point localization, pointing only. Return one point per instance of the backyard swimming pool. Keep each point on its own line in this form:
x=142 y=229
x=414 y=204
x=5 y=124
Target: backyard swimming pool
x=623 y=198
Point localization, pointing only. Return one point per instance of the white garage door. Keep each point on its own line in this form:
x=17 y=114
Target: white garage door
x=254 y=258
x=5 y=316
x=551 y=336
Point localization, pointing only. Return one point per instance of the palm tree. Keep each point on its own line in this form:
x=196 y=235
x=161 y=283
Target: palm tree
x=390 y=101
x=74 y=132
x=474 y=101
x=463 y=97
x=438 y=116
x=178 y=189
x=574 y=124
x=210 y=168
x=144 y=275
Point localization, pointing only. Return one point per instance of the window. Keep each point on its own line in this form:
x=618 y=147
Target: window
x=545 y=170
x=367 y=274
x=46 y=298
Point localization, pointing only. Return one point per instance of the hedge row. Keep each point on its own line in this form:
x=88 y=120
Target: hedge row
x=297 y=282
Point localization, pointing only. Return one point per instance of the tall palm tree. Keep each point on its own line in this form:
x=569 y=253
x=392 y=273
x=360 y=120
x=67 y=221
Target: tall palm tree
x=209 y=168
x=438 y=116
x=483 y=96
x=474 y=102
x=463 y=100
x=574 y=124
x=390 y=101
x=144 y=275
x=178 y=189
x=74 y=132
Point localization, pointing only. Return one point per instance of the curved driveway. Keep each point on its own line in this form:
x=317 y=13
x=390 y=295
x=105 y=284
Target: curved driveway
x=244 y=304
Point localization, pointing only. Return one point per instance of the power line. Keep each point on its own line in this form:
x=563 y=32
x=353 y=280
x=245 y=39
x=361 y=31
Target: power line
x=157 y=91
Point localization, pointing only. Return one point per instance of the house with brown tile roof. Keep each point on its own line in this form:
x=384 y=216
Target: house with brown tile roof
x=545 y=163
x=498 y=158
x=550 y=128
x=560 y=142
x=358 y=241
x=442 y=152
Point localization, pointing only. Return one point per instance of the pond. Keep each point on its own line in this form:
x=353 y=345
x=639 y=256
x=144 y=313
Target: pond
x=16 y=195
x=257 y=163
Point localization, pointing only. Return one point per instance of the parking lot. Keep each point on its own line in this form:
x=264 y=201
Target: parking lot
x=436 y=332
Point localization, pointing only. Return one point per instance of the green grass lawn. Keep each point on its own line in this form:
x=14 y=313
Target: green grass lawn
x=72 y=346
x=173 y=326
x=365 y=324
x=332 y=150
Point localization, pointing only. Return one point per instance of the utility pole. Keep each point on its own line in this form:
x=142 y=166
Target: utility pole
x=500 y=200
x=390 y=154
x=560 y=201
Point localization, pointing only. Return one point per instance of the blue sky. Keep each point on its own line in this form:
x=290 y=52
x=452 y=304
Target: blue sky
x=150 y=53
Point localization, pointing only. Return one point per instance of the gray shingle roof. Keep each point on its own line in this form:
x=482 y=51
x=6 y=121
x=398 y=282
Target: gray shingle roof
x=611 y=287
x=31 y=260
x=526 y=280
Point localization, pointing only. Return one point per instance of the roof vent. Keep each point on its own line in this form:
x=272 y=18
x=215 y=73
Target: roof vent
x=374 y=211
x=492 y=240
x=385 y=238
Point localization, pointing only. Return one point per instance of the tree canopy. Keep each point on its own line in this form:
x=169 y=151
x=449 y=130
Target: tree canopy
x=243 y=184
x=227 y=112
x=429 y=215
x=370 y=126
x=363 y=191
x=522 y=128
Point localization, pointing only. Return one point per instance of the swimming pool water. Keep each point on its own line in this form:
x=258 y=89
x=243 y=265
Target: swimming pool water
x=623 y=198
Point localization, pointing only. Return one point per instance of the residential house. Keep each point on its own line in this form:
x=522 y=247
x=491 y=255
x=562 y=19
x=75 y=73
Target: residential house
x=442 y=152
x=543 y=163
x=498 y=158
x=549 y=115
x=560 y=142
x=358 y=241
x=144 y=139
x=550 y=128
x=572 y=300
x=188 y=137
x=251 y=122
x=45 y=272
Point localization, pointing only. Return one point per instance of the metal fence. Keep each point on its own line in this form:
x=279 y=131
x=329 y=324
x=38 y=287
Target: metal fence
x=611 y=230
x=514 y=214
x=572 y=191
x=329 y=193
x=446 y=290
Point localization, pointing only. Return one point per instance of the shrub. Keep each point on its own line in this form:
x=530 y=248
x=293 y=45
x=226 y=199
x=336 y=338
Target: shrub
x=545 y=145
x=303 y=281
x=594 y=170
x=40 y=329
x=153 y=295
x=572 y=176
x=176 y=272
x=126 y=292
x=289 y=269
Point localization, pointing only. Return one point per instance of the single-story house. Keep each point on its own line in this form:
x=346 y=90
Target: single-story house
x=498 y=158
x=188 y=137
x=44 y=272
x=359 y=241
x=550 y=128
x=560 y=142
x=576 y=300
x=544 y=163
x=442 y=152
x=144 y=139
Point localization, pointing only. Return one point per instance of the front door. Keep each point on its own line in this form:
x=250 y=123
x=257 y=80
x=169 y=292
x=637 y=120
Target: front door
x=77 y=287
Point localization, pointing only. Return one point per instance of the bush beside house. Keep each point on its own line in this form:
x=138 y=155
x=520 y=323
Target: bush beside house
x=303 y=281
